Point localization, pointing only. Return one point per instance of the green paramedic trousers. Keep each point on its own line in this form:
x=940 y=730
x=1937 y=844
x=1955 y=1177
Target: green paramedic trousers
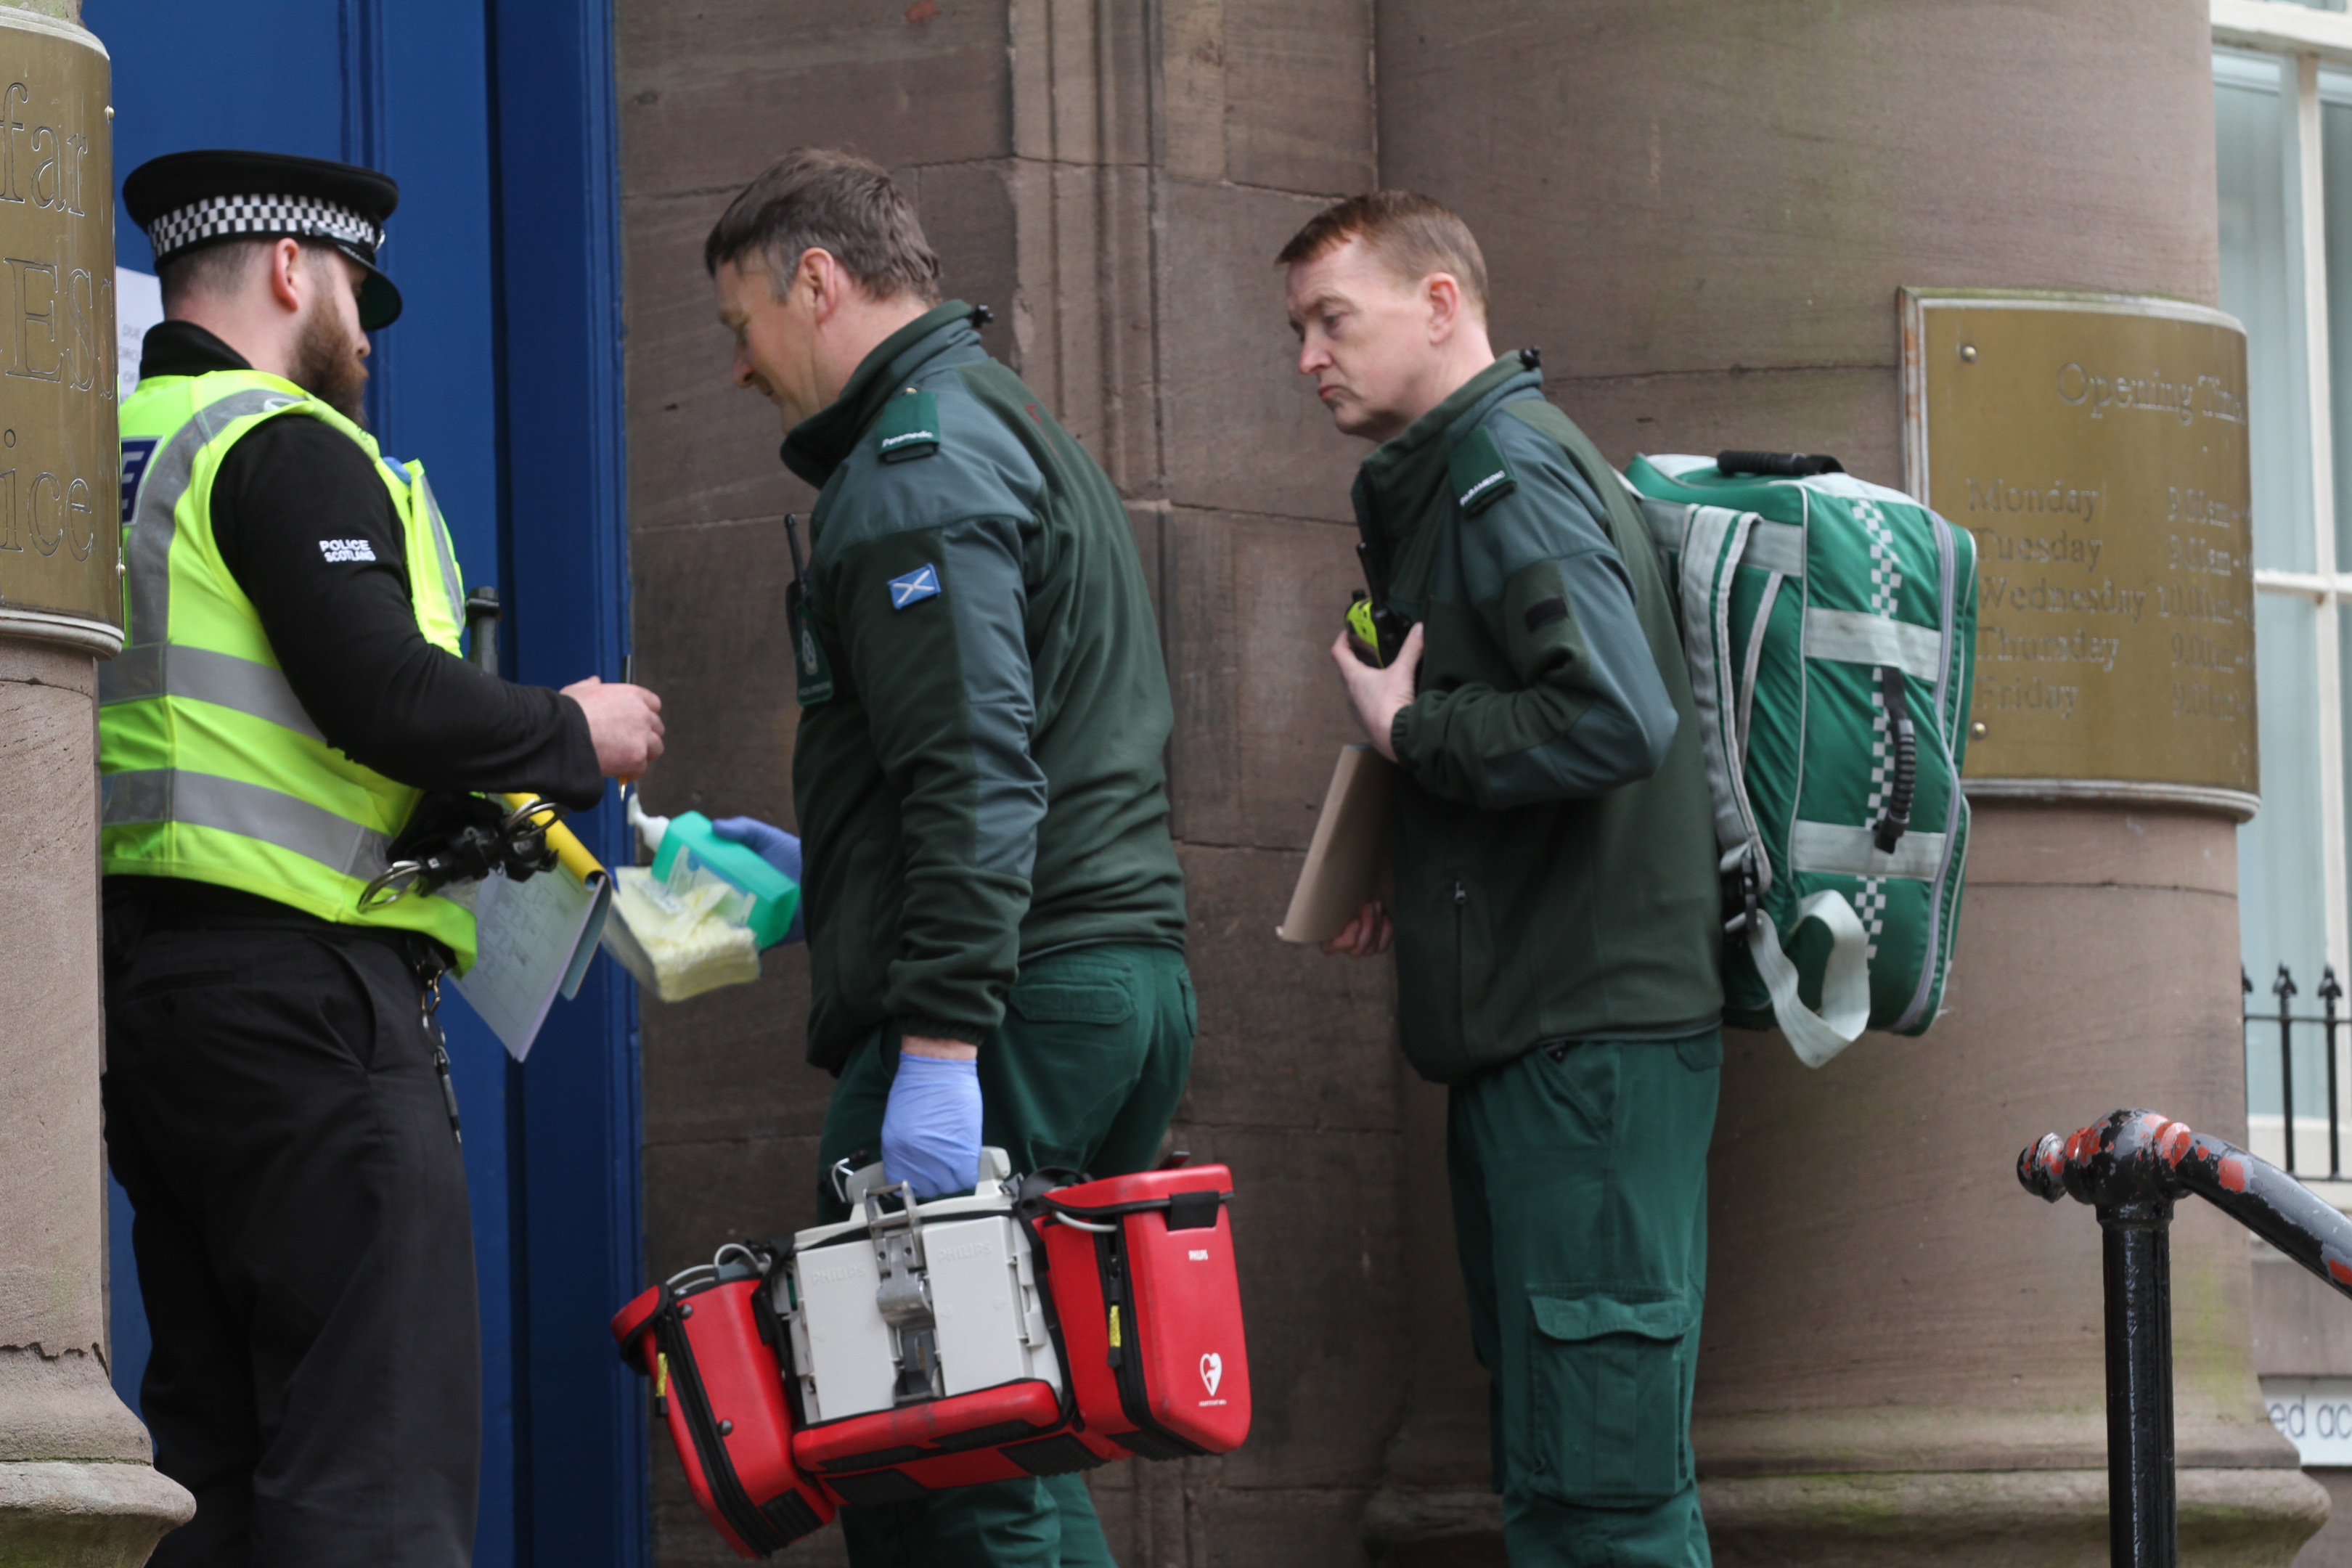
x=1579 y=1206
x=1082 y=1075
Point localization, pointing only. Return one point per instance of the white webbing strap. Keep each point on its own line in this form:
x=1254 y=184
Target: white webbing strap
x=1851 y=637
x=1711 y=550
x=1846 y=980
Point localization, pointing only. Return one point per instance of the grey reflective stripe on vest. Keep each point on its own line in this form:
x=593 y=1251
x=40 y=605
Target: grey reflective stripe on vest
x=169 y=669
x=423 y=492
x=160 y=490
x=208 y=800
x=1849 y=636
x=1842 y=851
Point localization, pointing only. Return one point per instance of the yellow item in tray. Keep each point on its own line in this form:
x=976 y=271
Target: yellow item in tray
x=682 y=938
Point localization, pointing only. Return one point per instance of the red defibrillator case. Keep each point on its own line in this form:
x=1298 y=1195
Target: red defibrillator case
x=922 y=1347
x=710 y=1342
x=1142 y=1272
x=1027 y=1328
x=993 y=1435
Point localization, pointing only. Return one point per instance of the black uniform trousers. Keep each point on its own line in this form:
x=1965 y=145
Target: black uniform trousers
x=305 y=1251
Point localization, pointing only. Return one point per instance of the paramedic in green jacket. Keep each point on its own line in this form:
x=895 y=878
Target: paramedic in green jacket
x=1555 y=911
x=995 y=914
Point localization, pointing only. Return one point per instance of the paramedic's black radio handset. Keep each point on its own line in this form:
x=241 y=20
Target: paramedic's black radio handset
x=1379 y=631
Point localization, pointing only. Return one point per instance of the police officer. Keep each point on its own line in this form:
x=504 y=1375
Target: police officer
x=290 y=686
x=1555 y=916
x=995 y=915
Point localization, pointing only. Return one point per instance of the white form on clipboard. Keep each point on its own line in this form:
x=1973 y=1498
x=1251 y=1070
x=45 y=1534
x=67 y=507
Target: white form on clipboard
x=534 y=940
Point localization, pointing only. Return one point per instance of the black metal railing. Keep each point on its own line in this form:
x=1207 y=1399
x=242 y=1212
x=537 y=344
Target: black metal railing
x=2132 y=1167
x=2284 y=1019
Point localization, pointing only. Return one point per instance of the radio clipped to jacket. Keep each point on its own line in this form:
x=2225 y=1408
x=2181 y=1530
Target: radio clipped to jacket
x=1033 y=1327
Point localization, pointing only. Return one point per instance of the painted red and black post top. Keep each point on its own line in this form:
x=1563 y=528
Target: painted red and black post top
x=2132 y=1157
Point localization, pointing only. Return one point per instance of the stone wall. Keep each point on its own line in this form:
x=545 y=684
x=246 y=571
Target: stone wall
x=1113 y=181
x=1702 y=211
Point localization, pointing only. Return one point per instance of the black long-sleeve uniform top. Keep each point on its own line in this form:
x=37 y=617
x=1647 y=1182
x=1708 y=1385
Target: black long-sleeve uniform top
x=345 y=630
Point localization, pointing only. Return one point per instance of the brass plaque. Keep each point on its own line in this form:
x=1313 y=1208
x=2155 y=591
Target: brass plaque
x=2094 y=446
x=59 y=460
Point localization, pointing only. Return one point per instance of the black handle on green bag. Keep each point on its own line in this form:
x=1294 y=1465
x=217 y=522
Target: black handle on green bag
x=1777 y=465
x=1888 y=831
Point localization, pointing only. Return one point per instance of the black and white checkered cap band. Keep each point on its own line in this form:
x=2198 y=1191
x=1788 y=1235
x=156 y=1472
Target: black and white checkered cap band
x=307 y=217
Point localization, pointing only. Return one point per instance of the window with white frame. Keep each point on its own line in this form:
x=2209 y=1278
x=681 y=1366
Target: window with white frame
x=2282 y=113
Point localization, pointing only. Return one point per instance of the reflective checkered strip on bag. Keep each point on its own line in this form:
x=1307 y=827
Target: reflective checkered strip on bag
x=307 y=217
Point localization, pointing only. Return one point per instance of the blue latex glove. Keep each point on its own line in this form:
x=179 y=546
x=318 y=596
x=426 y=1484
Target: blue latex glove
x=778 y=849
x=930 y=1129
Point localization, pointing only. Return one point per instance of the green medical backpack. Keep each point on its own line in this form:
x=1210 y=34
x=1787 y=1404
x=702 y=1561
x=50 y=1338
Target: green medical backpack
x=1831 y=629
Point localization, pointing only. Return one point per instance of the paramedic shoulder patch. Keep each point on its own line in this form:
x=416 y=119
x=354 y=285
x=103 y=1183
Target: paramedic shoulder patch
x=909 y=429
x=1477 y=473
x=922 y=583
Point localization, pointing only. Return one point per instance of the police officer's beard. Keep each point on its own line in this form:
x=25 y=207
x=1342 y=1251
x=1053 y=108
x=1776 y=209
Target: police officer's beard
x=328 y=366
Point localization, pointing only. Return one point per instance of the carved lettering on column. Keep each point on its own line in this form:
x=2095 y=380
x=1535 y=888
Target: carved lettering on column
x=60 y=447
x=11 y=128
x=36 y=312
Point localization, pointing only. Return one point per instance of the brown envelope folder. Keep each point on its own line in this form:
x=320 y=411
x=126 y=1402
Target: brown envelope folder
x=1348 y=861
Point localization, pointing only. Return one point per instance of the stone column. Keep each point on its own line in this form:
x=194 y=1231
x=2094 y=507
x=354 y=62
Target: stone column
x=77 y=1481
x=1703 y=213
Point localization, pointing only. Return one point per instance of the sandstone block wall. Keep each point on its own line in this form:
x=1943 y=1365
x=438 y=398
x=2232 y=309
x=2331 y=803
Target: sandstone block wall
x=1701 y=211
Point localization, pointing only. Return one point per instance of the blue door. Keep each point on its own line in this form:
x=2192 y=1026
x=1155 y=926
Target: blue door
x=504 y=375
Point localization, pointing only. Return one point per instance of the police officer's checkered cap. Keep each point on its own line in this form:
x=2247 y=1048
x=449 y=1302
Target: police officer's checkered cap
x=267 y=217
x=208 y=195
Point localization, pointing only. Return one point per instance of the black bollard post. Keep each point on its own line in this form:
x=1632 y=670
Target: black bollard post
x=2131 y=1167
x=2142 y=1512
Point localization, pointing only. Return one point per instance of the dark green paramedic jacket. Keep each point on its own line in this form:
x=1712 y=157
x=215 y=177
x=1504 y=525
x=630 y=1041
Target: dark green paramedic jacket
x=977 y=772
x=1555 y=865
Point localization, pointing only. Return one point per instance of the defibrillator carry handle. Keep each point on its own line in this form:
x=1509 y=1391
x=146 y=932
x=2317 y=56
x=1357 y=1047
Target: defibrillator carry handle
x=1777 y=465
x=1185 y=1211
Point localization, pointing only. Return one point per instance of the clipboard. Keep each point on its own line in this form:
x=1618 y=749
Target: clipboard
x=1350 y=859
x=534 y=940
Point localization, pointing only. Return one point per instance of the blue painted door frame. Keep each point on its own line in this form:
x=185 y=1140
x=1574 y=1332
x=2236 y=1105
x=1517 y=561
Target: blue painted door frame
x=504 y=376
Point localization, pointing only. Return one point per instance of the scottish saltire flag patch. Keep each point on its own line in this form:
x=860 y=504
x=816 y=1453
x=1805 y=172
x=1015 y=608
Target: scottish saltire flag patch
x=922 y=583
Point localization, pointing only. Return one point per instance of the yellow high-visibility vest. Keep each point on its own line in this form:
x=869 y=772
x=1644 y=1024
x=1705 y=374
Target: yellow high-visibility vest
x=210 y=769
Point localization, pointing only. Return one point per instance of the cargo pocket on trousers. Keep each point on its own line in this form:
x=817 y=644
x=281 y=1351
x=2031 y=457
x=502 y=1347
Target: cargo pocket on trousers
x=1076 y=1054
x=1098 y=994
x=1608 y=1389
